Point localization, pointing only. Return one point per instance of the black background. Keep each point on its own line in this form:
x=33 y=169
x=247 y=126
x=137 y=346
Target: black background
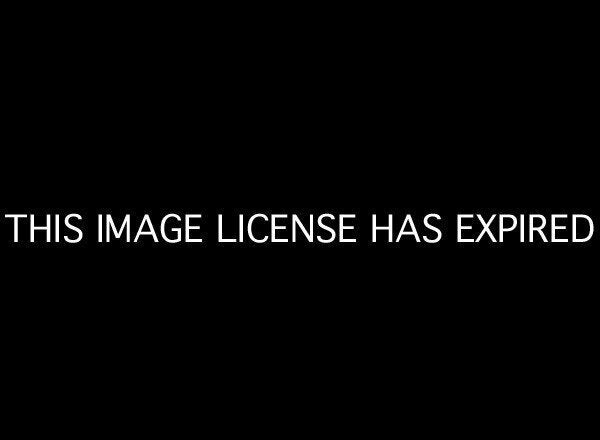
x=381 y=113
